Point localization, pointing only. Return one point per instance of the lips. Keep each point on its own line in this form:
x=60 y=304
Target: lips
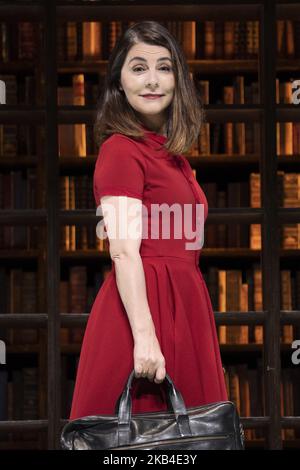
x=151 y=97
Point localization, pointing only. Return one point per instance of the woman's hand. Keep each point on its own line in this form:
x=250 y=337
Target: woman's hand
x=148 y=357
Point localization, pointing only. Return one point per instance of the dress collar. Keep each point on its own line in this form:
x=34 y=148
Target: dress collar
x=159 y=138
x=163 y=153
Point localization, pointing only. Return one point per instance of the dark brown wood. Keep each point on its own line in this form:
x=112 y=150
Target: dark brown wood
x=289 y=215
x=20 y=162
x=53 y=233
x=290 y=421
x=23 y=216
x=214 y=113
x=240 y=318
x=215 y=66
x=270 y=236
x=21 y=12
x=288 y=9
x=22 y=319
x=37 y=424
x=288 y=112
x=166 y=11
x=228 y=318
x=289 y=317
x=10 y=114
x=243 y=215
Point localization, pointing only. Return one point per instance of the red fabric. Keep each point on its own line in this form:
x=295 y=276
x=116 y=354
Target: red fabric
x=177 y=293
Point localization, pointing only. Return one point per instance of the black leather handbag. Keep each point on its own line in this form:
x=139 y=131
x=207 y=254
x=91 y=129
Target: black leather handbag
x=215 y=426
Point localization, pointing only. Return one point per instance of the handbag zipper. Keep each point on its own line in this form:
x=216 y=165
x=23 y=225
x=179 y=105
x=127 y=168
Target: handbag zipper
x=168 y=441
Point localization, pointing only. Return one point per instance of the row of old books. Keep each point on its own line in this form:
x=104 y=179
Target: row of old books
x=18 y=190
x=20 y=41
x=245 y=388
x=240 y=290
x=78 y=190
x=206 y=39
x=287 y=133
x=224 y=139
x=242 y=138
x=230 y=138
x=198 y=39
x=288 y=194
x=19 y=395
x=19 y=295
x=19 y=139
x=230 y=290
x=20 y=88
x=244 y=194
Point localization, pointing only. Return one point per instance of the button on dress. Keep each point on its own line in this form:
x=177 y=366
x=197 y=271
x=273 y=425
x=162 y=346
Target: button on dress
x=177 y=294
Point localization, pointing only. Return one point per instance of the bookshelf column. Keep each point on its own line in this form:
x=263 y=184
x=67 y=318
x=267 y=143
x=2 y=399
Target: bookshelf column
x=52 y=205
x=270 y=227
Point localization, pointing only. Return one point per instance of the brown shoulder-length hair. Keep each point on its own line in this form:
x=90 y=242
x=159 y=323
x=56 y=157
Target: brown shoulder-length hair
x=185 y=114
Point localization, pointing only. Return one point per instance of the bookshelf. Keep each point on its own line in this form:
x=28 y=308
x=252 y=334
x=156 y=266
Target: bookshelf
x=56 y=265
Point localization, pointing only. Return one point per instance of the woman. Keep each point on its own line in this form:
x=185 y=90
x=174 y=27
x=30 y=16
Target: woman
x=153 y=312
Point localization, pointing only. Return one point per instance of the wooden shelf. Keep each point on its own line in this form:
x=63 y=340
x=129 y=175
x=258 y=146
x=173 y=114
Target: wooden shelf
x=17 y=66
x=91 y=254
x=19 y=254
x=166 y=11
x=19 y=445
x=23 y=349
x=21 y=161
x=122 y=10
x=204 y=66
x=207 y=162
x=19 y=320
x=84 y=114
x=23 y=216
x=25 y=425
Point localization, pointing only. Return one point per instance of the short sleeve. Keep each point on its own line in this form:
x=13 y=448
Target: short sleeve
x=119 y=169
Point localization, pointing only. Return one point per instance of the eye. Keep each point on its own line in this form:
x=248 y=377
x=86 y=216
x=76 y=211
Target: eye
x=136 y=68
x=139 y=67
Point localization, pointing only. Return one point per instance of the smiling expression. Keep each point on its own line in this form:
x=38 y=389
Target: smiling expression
x=148 y=70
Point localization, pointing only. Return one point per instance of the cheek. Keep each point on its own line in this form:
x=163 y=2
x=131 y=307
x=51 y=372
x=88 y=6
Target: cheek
x=127 y=83
x=133 y=88
x=170 y=85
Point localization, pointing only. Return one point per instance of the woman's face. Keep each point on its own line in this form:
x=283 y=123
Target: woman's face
x=148 y=69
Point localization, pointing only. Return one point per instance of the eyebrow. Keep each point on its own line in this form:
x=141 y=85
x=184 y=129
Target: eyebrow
x=144 y=60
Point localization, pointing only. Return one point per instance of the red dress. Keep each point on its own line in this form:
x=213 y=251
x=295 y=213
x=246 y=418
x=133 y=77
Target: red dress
x=177 y=293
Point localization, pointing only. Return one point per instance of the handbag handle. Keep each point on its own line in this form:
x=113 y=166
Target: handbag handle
x=124 y=408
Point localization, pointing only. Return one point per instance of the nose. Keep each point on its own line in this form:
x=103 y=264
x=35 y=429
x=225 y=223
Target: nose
x=152 y=78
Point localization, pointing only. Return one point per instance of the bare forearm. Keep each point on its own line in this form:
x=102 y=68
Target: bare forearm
x=130 y=279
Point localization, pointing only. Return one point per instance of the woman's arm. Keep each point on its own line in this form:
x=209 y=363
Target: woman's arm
x=121 y=212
